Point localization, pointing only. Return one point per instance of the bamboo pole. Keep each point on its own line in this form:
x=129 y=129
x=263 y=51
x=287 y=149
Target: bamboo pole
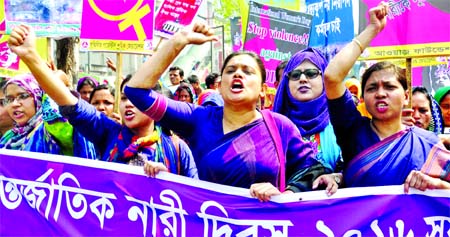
x=409 y=80
x=117 y=82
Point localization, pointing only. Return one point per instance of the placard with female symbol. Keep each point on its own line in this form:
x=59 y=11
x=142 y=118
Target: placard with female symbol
x=117 y=25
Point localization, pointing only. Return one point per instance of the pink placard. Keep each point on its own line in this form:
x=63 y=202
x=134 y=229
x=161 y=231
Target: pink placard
x=174 y=15
x=413 y=22
x=117 y=19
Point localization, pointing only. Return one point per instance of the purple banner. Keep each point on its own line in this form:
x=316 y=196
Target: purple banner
x=275 y=34
x=48 y=195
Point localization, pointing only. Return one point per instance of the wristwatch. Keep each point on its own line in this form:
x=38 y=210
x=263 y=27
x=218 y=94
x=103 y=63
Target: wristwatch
x=337 y=178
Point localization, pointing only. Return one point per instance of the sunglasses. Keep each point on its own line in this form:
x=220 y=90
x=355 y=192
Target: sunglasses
x=309 y=74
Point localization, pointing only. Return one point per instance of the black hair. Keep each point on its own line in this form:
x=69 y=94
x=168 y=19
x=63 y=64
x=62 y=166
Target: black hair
x=174 y=68
x=188 y=89
x=211 y=79
x=279 y=70
x=384 y=65
x=193 y=79
x=102 y=87
x=423 y=90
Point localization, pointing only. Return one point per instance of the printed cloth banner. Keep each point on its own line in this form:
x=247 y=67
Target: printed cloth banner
x=332 y=25
x=175 y=14
x=50 y=195
x=117 y=25
x=415 y=28
x=275 y=34
x=51 y=18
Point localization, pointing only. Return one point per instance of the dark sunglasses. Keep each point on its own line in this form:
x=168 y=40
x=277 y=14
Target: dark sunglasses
x=309 y=74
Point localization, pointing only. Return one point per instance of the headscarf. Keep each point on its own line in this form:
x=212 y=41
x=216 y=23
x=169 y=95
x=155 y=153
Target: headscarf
x=440 y=93
x=19 y=133
x=83 y=79
x=312 y=116
x=210 y=97
x=354 y=82
x=437 y=121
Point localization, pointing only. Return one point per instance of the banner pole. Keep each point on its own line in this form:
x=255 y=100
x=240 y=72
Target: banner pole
x=49 y=49
x=409 y=80
x=157 y=45
x=117 y=82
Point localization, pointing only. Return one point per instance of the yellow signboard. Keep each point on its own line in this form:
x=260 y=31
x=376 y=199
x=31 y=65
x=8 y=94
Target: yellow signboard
x=406 y=51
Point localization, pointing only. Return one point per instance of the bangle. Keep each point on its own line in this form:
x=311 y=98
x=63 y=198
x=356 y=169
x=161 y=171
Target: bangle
x=359 y=44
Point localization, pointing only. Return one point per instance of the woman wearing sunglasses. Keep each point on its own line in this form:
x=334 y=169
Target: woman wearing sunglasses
x=38 y=126
x=381 y=151
x=301 y=97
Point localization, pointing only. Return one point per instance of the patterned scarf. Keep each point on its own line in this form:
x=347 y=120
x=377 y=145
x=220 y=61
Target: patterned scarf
x=436 y=122
x=139 y=149
x=310 y=117
x=18 y=136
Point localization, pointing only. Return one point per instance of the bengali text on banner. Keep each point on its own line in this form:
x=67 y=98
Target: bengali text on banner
x=50 y=195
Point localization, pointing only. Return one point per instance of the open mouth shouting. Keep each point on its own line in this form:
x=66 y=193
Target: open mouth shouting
x=237 y=86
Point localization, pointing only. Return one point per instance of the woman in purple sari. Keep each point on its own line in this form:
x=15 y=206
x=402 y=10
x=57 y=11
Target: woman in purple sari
x=234 y=144
x=382 y=150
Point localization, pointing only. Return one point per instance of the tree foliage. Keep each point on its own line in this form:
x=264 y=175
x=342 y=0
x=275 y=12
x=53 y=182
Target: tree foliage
x=224 y=10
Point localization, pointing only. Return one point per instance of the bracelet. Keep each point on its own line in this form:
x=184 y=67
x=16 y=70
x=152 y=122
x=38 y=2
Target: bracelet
x=359 y=44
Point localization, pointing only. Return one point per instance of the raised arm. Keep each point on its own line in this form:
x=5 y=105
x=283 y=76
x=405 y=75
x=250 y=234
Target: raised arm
x=341 y=64
x=149 y=72
x=23 y=43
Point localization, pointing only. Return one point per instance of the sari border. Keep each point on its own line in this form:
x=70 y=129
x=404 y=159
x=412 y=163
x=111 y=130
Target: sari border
x=369 y=156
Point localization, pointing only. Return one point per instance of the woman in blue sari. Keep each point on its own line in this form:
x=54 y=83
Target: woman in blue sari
x=235 y=144
x=381 y=150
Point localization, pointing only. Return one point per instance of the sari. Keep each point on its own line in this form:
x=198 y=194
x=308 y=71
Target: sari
x=390 y=161
x=241 y=158
x=238 y=158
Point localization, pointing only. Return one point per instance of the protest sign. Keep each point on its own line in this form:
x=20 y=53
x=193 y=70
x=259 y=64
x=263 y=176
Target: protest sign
x=51 y=195
x=275 y=34
x=50 y=18
x=174 y=15
x=117 y=25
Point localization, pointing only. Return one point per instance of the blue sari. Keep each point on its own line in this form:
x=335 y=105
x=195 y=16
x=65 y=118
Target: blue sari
x=390 y=161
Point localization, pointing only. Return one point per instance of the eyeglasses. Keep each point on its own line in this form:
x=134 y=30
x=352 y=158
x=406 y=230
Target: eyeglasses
x=20 y=98
x=309 y=74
